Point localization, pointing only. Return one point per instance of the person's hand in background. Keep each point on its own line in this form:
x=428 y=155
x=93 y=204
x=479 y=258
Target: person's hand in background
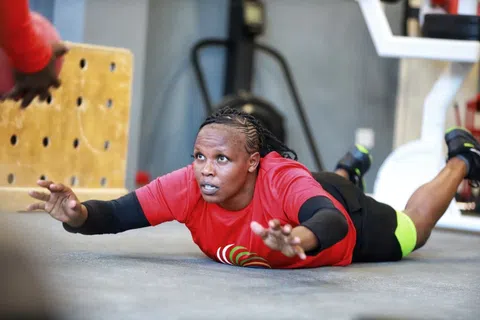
x=28 y=86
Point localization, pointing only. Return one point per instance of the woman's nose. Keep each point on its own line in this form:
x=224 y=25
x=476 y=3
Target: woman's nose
x=207 y=168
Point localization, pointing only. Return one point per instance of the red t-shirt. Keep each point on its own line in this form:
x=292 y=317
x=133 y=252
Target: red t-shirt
x=282 y=187
x=28 y=52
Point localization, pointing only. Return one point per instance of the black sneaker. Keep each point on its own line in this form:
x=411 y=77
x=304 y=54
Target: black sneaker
x=461 y=142
x=356 y=162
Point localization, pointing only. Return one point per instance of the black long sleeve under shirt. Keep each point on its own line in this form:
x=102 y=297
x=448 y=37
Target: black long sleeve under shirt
x=317 y=214
x=112 y=216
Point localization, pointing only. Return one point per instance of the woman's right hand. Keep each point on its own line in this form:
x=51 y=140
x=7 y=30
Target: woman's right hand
x=61 y=203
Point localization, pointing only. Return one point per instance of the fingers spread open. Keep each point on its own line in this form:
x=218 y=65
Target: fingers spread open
x=43 y=95
x=58 y=187
x=275 y=229
x=301 y=254
x=28 y=98
x=39 y=195
x=44 y=183
x=274 y=224
x=259 y=230
x=36 y=206
x=287 y=229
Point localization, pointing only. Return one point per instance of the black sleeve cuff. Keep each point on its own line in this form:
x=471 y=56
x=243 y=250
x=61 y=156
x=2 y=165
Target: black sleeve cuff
x=112 y=216
x=326 y=222
x=100 y=219
x=329 y=226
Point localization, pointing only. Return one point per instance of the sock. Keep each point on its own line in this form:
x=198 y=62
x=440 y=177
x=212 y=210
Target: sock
x=467 y=162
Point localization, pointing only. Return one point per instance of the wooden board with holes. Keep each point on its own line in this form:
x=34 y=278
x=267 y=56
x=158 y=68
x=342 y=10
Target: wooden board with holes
x=78 y=137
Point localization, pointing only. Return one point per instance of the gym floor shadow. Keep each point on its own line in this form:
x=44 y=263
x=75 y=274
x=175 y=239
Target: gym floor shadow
x=159 y=273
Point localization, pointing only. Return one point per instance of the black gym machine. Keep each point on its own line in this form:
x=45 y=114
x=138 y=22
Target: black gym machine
x=246 y=23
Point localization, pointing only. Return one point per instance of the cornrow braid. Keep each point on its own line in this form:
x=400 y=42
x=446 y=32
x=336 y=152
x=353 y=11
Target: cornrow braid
x=259 y=138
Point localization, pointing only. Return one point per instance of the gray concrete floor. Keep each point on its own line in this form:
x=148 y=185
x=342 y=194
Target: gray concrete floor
x=158 y=273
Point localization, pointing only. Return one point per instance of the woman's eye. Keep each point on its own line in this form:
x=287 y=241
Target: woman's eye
x=222 y=159
x=200 y=156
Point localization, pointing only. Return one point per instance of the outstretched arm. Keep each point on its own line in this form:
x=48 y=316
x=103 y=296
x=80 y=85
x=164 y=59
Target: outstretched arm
x=90 y=217
x=150 y=205
x=27 y=51
x=322 y=230
x=321 y=226
x=318 y=223
x=112 y=216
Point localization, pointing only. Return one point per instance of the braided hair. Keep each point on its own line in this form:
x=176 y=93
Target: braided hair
x=258 y=139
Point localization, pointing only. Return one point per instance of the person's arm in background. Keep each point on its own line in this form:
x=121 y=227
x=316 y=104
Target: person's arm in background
x=28 y=52
x=32 y=57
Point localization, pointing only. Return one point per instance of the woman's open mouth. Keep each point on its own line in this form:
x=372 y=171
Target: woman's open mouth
x=208 y=189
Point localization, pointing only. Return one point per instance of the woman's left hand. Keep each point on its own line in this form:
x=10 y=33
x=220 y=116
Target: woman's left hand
x=279 y=238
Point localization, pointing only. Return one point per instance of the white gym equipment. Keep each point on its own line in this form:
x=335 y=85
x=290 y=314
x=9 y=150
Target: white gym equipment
x=417 y=162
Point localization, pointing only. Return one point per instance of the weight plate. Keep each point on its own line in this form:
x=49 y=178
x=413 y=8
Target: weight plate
x=449 y=26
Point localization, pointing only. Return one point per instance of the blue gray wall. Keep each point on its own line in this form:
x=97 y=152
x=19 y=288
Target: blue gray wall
x=343 y=84
x=44 y=7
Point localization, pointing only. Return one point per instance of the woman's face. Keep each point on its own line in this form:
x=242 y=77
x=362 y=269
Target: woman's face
x=224 y=170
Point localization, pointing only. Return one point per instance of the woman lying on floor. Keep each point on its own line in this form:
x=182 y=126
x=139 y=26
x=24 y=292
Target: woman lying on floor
x=247 y=201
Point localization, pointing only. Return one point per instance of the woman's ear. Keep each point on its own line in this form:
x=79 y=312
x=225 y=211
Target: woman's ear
x=254 y=161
